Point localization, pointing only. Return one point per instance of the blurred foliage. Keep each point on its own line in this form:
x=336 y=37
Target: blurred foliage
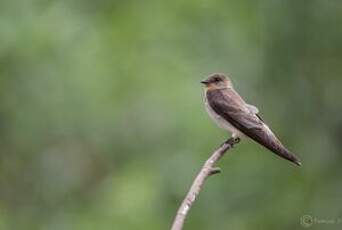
x=102 y=124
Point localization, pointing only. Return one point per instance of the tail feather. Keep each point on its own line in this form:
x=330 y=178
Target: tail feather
x=268 y=139
x=286 y=154
x=278 y=148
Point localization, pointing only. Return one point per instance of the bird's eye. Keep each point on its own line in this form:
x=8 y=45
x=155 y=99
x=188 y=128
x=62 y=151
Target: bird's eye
x=217 y=79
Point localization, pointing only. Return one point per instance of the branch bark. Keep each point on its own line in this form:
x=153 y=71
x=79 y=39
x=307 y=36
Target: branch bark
x=207 y=170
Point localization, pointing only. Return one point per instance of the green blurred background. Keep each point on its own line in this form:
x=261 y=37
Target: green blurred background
x=102 y=124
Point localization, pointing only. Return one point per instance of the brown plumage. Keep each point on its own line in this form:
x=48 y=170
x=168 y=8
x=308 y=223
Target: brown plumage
x=225 y=104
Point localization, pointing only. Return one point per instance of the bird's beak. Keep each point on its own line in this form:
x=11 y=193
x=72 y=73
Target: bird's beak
x=204 y=82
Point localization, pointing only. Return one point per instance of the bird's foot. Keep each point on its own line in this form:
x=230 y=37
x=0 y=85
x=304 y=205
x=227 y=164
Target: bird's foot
x=237 y=140
x=232 y=141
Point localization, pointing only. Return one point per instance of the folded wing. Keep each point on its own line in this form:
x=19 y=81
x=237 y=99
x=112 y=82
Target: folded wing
x=229 y=105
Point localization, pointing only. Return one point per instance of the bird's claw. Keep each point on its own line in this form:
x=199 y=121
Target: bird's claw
x=237 y=140
x=232 y=141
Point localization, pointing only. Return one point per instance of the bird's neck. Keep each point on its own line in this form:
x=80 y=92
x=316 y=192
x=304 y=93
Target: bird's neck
x=214 y=87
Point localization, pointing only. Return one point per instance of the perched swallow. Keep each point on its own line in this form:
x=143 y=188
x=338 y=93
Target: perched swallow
x=232 y=113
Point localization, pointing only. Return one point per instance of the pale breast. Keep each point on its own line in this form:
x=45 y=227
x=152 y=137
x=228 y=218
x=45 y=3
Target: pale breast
x=220 y=121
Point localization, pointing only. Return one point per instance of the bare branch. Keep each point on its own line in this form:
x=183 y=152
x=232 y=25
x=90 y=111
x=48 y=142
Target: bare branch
x=207 y=170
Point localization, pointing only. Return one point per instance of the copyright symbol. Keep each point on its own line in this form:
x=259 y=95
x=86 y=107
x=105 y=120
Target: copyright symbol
x=306 y=221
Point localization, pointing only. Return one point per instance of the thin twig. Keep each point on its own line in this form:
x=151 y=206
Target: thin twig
x=207 y=170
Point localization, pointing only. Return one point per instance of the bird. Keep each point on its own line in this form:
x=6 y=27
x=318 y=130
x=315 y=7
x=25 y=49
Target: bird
x=230 y=112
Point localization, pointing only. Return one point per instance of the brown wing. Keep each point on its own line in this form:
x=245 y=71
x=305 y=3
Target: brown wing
x=229 y=105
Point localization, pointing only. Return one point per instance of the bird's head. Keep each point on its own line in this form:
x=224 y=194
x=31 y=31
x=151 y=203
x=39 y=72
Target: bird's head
x=217 y=81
